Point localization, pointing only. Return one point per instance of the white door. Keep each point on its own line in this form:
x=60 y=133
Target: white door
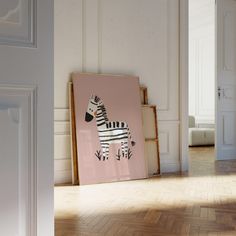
x=26 y=117
x=226 y=80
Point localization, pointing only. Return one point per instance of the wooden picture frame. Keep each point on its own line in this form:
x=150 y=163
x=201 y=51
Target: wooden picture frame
x=152 y=156
x=152 y=152
x=143 y=95
x=118 y=164
x=150 y=127
x=74 y=158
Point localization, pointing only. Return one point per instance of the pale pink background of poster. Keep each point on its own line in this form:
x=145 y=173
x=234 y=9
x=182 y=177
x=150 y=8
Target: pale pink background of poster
x=121 y=97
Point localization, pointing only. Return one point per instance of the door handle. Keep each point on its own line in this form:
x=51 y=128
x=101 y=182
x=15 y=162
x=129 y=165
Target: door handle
x=219 y=92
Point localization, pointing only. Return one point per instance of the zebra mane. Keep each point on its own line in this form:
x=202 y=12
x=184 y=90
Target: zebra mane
x=96 y=99
x=100 y=104
x=104 y=112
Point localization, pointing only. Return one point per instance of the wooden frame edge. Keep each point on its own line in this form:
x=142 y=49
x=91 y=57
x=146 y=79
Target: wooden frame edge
x=74 y=158
x=157 y=137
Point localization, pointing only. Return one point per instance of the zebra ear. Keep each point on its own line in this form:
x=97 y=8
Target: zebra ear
x=96 y=99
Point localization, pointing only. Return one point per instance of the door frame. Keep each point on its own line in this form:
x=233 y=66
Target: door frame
x=184 y=82
x=183 y=75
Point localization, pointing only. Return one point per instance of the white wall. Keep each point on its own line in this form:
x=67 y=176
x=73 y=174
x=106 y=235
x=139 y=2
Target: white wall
x=136 y=37
x=202 y=60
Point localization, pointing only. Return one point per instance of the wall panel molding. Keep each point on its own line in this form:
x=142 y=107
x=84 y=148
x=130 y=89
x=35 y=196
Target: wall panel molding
x=99 y=25
x=61 y=128
x=169 y=145
x=69 y=42
x=90 y=36
x=164 y=137
x=61 y=114
x=166 y=107
x=62 y=144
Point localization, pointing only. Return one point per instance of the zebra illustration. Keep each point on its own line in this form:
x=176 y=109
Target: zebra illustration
x=108 y=131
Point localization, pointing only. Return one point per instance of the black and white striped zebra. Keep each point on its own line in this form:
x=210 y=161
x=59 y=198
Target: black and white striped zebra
x=108 y=131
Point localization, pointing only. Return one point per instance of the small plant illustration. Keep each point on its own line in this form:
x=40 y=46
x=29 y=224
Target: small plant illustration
x=98 y=154
x=119 y=154
x=129 y=153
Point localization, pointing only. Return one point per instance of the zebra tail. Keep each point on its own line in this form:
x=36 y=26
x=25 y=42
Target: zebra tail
x=132 y=141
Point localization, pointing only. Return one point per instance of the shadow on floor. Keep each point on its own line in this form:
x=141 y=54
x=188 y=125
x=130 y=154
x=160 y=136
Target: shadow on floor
x=205 y=219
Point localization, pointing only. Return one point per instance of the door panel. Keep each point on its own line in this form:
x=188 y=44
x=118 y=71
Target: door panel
x=26 y=117
x=226 y=80
x=18 y=161
x=8 y=157
x=228 y=131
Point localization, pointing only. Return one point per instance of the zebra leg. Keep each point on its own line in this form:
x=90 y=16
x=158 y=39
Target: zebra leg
x=105 y=151
x=118 y=155
x=125 y=149
x=122 y=149
x=104 y=154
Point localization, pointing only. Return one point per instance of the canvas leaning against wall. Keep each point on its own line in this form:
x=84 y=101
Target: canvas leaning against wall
x=109 y=135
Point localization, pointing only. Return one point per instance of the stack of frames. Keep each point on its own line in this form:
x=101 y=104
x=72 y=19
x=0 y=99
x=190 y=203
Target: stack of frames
x=150 y=133
x=150 y=128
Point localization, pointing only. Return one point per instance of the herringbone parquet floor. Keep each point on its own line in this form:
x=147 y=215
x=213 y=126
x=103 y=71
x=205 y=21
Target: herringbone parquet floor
x=202 y=203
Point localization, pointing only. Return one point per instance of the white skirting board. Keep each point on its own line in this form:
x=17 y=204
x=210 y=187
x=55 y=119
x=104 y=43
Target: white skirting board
x=62 y=152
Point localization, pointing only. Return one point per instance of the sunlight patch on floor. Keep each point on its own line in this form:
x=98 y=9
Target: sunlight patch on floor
x=158 y=194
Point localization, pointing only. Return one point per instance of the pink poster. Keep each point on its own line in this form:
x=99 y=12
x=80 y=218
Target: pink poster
x=110 y=141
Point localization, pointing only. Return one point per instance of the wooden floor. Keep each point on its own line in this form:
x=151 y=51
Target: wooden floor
x=200 y=203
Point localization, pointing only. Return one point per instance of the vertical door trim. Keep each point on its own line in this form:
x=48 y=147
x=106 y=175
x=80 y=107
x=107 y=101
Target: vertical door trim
x=183 y=75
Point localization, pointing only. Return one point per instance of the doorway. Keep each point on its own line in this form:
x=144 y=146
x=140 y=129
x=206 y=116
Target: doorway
x=201 y=87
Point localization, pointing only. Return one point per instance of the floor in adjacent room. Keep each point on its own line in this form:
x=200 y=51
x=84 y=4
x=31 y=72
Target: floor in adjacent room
x=200 y=203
